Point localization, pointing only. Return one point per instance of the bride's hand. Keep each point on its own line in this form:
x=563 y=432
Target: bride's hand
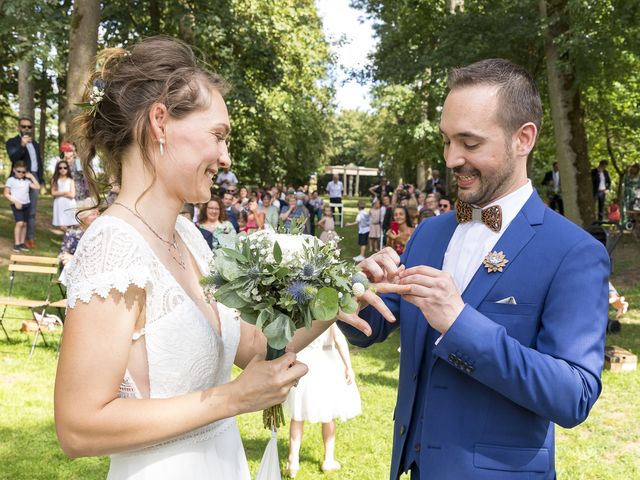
x=370 y=297
x=265 y=383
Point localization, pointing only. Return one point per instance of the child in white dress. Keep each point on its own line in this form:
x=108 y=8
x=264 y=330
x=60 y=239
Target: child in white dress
x=327 y=392
x=64 y=192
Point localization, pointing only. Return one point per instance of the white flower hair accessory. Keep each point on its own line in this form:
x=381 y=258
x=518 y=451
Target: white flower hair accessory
x=96 y=95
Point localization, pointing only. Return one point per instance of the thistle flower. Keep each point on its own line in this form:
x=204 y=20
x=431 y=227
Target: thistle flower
x=300 y=291
x=308 y=270
x=253 y=273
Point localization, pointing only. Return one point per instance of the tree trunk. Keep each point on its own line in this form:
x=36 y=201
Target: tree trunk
x=455 y=5
x=421 y=181
x=83 y=44
x=568 y=118
x=154 y=14
x=26 y=89
x=42 y=124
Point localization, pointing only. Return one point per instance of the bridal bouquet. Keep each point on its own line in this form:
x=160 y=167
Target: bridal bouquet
x=282 y=282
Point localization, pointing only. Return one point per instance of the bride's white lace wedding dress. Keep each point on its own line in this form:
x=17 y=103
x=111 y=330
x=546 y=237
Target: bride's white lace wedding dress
x=184 y=352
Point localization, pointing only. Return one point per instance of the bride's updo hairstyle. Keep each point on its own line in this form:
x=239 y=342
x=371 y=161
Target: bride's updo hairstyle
x=120 y=93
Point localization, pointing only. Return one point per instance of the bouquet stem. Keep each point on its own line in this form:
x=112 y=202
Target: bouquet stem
x=273 y=417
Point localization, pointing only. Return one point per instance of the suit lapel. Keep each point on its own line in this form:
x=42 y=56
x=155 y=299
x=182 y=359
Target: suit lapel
x=513 y=240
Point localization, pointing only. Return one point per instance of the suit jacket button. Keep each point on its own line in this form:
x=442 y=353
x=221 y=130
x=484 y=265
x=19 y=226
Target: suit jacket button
x=402 y=429
x=415 y=377
x=416 y=447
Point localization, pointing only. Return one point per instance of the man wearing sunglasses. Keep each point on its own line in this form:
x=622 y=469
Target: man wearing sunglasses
x=24 y=148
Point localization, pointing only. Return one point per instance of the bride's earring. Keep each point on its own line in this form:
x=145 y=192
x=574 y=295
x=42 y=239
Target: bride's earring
x=161 y=141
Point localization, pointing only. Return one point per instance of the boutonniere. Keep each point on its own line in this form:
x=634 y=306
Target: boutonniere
x=495 y=262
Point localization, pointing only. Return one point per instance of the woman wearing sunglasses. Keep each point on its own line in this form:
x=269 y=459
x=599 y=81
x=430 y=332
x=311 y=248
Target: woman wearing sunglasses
x=64 y=193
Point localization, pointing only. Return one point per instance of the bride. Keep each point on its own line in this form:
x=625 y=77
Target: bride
x=145 y=364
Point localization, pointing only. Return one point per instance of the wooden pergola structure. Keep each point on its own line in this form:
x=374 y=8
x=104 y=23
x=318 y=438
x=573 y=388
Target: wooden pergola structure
x=351 y=176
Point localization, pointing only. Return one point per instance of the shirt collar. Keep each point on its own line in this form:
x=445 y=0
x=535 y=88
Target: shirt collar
x=513 y=203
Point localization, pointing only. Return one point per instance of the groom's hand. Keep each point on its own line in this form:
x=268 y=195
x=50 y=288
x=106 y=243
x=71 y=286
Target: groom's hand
x=435 y=293
x=382 y=267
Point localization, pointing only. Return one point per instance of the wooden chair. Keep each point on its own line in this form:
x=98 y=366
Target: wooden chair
x=30 y=265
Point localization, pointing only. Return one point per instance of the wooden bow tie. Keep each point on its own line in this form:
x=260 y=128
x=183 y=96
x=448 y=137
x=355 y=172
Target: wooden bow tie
x=491 y=217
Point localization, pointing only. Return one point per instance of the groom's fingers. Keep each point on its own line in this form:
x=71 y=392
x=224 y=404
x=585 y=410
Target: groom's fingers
x=386 y=287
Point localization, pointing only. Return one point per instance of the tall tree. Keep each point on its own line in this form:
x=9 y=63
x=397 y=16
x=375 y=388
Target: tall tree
x=83 y=44
x=568 y=115
x=26 y=91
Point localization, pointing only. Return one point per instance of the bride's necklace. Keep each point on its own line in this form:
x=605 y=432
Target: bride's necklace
x=172 y=246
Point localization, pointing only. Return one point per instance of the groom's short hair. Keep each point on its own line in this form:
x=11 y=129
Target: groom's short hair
x=518 y=95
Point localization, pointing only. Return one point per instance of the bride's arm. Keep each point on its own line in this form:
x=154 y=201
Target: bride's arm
x=90 y=417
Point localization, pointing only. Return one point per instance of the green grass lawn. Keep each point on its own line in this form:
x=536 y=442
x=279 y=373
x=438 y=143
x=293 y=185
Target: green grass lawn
x=606 y=446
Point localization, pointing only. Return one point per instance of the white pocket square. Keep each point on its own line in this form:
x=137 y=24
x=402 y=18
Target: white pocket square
x=508 y=301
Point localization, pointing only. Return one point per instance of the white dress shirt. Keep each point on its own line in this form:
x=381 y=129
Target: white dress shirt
x=472 y=241
x=334 y=189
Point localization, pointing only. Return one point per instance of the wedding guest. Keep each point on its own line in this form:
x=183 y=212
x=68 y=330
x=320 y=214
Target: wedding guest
x=503 y=330
x=387 y=216
x=334 y=190
x=601 y=183
x=363 y=222
x=271 y=213
x=63 y=190
x=375 y=228
x=431 y=202
x=444 y=205
x=16 y=190
x=401 y=229
x=317 y=203
x=226 y=178
x=424 y=214
x=86 y=214
x=632 y=196
x=255 y=217
x=68 y=151
x=243 y=198
x=383 y=188
x=24 y=148
x=213 y=219
x=227 y=201
x=294 y=210
x=327 y=224
x=552 y=183
x=435 y=183
x=328 y=392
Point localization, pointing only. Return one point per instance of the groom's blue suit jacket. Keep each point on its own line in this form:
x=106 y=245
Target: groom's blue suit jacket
x=504 y=373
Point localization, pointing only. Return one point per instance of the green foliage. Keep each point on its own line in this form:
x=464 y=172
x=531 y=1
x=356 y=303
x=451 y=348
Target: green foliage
x=419 y=41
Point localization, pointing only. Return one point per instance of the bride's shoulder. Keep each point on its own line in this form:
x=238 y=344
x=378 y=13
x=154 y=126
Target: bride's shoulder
x=110 y=254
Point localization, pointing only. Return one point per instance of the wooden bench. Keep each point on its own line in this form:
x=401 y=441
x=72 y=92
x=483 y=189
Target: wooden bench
x=31 y=265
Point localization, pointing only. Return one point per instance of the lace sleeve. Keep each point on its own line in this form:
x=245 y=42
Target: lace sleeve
x=196 y=243
x=109 y=256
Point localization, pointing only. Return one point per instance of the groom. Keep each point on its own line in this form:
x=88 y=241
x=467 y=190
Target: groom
x=503 y=330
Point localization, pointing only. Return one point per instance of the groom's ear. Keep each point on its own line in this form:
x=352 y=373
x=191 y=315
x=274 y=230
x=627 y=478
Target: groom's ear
x=525 y=139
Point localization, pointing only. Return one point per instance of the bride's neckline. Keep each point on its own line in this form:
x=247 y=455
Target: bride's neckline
x=218 y=330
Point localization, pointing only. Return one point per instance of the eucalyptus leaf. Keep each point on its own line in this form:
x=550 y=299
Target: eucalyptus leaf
x=277 y=252
x=229 y=298
x=236 y=255
x=325 y=305
x=348 y=304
